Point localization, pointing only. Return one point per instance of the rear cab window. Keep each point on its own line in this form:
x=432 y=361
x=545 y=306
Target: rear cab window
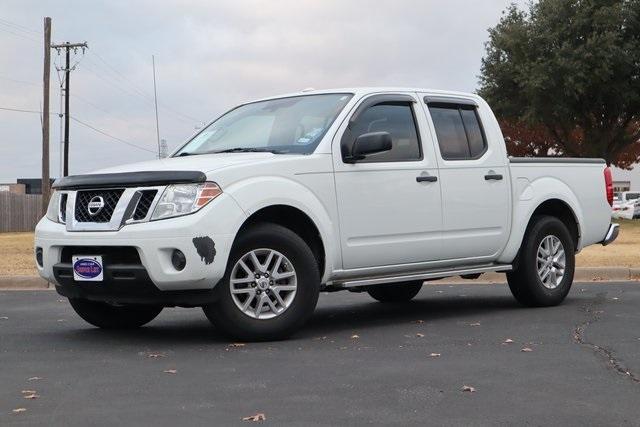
x=458 y=130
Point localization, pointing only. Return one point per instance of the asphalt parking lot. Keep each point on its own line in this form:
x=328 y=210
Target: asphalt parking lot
x=357 y=362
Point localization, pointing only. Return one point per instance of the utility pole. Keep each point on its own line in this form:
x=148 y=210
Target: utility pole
x=155 y=97
x=67 y=81
x=45 y=115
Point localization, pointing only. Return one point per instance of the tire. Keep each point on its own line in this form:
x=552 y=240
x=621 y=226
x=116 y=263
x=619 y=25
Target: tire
x=397 y=292
x=297 y=293
x=541 y=290
x=109 y=316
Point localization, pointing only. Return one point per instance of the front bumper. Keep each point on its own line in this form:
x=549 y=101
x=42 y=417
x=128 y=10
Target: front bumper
x=154 y=242
x=612 y=234
x=126 y=284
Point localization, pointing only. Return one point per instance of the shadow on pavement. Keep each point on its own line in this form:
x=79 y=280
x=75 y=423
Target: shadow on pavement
x=362 y=313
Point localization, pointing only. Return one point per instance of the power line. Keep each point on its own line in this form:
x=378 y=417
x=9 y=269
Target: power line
x=110 y=136
x=20 y=110
x=19 y=27
x=21 y=81
x=21 y=35
x=141 y=92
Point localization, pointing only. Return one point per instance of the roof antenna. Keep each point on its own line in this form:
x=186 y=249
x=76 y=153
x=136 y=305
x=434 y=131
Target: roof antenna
x=309 y=89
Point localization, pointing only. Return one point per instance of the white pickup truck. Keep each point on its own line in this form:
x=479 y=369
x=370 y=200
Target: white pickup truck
x=361 y=189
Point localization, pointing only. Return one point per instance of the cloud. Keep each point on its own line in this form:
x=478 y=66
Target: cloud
x=212 y=55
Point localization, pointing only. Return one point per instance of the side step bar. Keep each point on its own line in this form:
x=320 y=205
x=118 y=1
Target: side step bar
x=423 y=275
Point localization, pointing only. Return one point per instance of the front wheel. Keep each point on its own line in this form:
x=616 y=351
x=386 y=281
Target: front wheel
x=397 y=292
x=546 y=264
x=108 y=316
x=270 y=288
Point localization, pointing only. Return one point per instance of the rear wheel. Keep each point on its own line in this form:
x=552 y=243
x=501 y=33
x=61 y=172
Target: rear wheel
x=108 y=316
x=546 y=264
x=396 y=292
x=270 y=288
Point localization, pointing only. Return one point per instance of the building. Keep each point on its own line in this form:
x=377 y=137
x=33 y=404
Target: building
x=13 y=188
x=32 y=185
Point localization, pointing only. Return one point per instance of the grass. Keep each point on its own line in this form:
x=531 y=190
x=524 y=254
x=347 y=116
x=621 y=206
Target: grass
x=624 y=252
x=16 y=257
x=16 y=251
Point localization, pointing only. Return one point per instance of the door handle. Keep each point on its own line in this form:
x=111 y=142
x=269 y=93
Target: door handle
x=426 y=178
x=493 y=176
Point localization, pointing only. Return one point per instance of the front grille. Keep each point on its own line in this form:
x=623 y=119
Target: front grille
x=142 y=209
x=127 y=255
x=110 y=198
x=63 y=207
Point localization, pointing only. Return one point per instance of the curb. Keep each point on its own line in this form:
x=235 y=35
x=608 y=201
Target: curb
x=582 y=274
x=23 y=283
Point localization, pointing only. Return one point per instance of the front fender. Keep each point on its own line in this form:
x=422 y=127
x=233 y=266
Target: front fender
x=529 y=195
x=257 y=193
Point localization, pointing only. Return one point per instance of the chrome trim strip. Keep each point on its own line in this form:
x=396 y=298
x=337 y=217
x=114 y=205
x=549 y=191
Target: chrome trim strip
x=612 y=234
x=424 y=275
x=585 y=160
x=118 y=219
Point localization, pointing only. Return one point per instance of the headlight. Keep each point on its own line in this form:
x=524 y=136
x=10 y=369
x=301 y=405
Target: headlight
x=183 y=199
x=53 y=210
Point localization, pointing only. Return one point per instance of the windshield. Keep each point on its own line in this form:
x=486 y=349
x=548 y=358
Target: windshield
x=284 y=125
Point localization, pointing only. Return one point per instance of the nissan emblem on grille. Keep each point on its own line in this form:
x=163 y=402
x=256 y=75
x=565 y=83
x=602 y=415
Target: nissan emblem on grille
x=95 y=205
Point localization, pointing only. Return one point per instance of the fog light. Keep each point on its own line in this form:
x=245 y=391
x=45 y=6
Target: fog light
x=178 y=260
x=39 y=256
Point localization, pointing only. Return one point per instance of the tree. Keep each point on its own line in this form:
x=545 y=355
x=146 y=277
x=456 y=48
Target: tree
x=564 y=78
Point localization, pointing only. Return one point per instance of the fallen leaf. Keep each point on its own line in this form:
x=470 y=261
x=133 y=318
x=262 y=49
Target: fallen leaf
x=18 y=410
x=468 y=388
x=507 y=341
x=237 y=344
x=355 y=337
x=434 y=355
x=419 y=335
x=255 y=418
x=28 y=392
x=526 y=349
x=474 y=324
x=155 y=355
x=34 y=379
x=170 y=371
x=31 y=396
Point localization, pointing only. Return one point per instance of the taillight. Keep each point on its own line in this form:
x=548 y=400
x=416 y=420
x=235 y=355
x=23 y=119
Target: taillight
x=608 y=184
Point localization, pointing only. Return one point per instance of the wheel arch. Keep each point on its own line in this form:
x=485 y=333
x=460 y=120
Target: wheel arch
x=295 y=220
x=536 y=199
x=275 y=198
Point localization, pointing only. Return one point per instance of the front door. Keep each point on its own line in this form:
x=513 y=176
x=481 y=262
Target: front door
x=389 y=203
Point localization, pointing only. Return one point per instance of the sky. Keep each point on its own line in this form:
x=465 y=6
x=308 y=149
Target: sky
x=211 y=55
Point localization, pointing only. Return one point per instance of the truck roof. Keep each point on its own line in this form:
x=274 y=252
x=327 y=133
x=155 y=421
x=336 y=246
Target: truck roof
x=360 y=91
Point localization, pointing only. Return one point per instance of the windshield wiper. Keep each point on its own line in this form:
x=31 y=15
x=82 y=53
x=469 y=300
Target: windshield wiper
x=248 y=150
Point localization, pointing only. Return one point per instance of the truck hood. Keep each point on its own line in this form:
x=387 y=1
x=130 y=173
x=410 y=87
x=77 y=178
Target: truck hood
x=201 y=163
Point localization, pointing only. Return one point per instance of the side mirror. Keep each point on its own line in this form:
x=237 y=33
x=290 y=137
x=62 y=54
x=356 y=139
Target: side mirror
x=369 y=143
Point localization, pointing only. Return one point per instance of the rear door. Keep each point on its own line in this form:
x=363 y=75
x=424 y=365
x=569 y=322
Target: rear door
x=473 y=170
x=389 y=203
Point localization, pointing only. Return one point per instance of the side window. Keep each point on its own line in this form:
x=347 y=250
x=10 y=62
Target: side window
x=459 y=132
x=397 y=119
